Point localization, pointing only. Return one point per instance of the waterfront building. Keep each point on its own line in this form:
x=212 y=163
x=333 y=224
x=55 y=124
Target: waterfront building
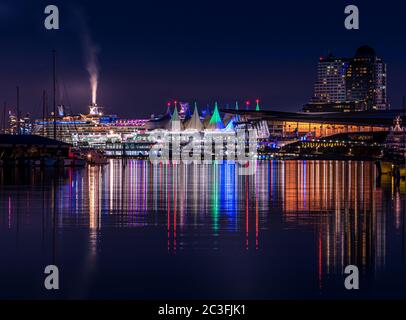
x=25 y=124
x=396 y=139
x=291 y=126
x=135 y=137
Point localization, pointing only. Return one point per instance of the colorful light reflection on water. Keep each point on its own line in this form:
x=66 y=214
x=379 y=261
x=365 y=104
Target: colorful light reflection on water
x=134 y=230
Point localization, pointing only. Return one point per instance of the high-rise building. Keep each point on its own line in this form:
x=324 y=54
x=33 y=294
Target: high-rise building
x=366 y=79
x=330 y=86
x=350 y=84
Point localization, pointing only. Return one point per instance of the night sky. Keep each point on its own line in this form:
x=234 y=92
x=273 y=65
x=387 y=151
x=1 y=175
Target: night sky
x=154 y=51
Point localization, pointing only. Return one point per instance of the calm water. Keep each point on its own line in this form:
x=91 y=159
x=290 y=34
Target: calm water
x=177 y=231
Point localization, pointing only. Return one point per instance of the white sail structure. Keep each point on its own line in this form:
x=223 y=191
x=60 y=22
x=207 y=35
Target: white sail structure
x=194 y=123
x=175 y=124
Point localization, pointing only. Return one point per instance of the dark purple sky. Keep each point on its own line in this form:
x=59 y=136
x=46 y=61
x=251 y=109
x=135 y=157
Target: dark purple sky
x=153 y=51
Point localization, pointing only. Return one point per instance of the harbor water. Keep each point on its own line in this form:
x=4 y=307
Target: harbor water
x=172 y=231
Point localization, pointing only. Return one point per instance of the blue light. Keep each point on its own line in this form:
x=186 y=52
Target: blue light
x=62 y=122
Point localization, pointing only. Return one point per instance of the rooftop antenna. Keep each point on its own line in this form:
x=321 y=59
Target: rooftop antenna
x=18 y=110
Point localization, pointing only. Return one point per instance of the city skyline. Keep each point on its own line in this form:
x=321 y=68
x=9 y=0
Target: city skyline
x=150 y=58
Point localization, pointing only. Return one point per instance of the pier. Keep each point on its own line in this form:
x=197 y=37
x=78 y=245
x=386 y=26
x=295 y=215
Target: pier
x=31 y=150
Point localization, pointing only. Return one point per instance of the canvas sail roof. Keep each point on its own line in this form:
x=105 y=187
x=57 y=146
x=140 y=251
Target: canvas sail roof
x=194 y=122
x=215 y=120
x=175 y=123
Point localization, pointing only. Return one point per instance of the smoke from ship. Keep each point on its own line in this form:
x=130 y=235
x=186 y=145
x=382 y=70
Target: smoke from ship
x=90 y=54
x=91 y=64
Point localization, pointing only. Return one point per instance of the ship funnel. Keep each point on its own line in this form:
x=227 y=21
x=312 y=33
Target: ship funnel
x=95 y=110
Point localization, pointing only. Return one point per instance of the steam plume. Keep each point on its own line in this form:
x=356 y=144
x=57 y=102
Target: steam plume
x=90 y=52
x=91 y=64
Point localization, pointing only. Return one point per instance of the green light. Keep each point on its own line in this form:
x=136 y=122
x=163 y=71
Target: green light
x=215 y=118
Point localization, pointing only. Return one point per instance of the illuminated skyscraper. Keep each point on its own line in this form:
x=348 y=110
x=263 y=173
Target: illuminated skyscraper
x=330 y=86
x=350 y=84
x=366 y=79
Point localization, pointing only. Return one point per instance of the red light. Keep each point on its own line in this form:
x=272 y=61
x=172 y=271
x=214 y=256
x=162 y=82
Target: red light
x=247 y=103
x=175 y=102
x=257 y=101
x=168 y=104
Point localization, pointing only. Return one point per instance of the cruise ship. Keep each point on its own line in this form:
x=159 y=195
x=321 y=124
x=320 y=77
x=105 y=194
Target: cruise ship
x=93 y=129
x=115 y=136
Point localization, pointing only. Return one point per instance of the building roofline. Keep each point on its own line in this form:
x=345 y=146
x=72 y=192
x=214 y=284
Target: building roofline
x=364 y=118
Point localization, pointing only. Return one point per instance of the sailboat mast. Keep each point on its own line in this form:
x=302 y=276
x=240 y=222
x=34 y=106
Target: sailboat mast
x=4 y=117
x=18 y=111
x=43 y=112
x=54 y=88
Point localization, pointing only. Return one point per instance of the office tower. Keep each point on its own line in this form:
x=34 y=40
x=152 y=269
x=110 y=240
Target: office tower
x=350 y=84
x=366 y=79
x=330 y=85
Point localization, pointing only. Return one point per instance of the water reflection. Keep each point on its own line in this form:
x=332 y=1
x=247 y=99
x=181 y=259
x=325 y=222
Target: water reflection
x=198 y=207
